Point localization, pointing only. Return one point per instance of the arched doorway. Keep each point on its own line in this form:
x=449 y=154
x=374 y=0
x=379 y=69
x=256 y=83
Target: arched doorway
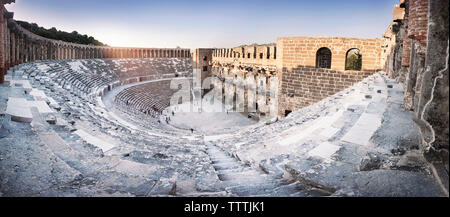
x=323 y=58
x=353 y=59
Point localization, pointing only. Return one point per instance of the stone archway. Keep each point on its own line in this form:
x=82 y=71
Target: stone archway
x=353 y=60
x=323 y=58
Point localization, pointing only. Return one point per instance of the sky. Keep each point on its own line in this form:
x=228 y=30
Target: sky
x=207 y=23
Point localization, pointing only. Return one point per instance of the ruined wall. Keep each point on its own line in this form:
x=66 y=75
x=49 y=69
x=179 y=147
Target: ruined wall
x=234 y=65
x=255 y=56
x=294 y=61
x=247 y=91
x=202 y=60
x=421 y=50
x=18 y=45
x=433 y=101
x=303 y=86
x=303 y=82
x=392 y=43
x=301 y=51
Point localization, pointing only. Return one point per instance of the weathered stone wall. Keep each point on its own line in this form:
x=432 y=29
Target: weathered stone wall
x=422 y=50
x=303 y=86
x=391 y=46
x=433 y=101
x=240 y=86
x=202 y=60
x=303 y=82
x=294 y=61
x=256 y=56
x=301 y=51
x=18 y=45
x=234 y=65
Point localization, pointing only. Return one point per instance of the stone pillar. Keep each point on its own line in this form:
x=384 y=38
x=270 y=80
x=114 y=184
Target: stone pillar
x=16 y=50
x=53 y=51
x=26 y=48
x=45 y=51
x=57 y=52
x=8 y=49
x=2 y=46
x=70 y=52
x=38 y=51
x=62 y=54
x=32 y=51
x=13 y=49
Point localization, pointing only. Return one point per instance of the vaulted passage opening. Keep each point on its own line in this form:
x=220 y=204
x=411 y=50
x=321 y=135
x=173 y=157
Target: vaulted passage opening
x=323 y=58
x=353 y=59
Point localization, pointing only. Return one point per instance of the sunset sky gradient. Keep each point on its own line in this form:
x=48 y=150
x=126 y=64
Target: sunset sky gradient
x=207 y=23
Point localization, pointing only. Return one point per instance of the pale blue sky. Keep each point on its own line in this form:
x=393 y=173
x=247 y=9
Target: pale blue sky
x=207 y=23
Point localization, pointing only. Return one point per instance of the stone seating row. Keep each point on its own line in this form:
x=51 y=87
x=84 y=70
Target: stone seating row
x=149 y=98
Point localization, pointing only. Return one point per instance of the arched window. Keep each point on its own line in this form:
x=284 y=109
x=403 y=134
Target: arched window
x=323 y=58
x=353 y=59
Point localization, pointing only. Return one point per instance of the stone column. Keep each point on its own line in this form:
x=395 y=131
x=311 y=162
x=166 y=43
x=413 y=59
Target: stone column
x=8 y=49
x=32 y=51
x=38 y=50
x=16 y=49
x=58 y=52
x=13 y=49
x=26 y=48
x=99 y=53
x=70 y=50
x=44 y=51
